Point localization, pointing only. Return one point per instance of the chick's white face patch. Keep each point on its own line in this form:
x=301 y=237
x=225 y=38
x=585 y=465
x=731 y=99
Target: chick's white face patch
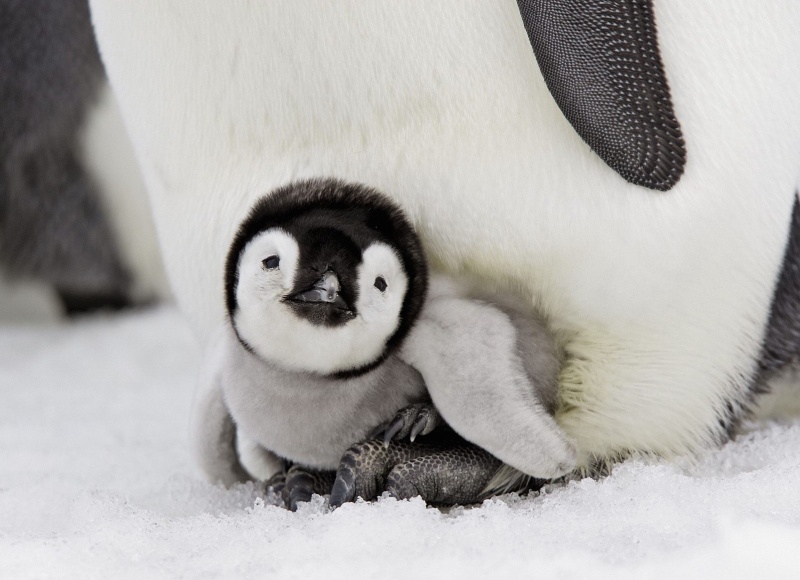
x=382 y=284
x=276 y=333
x=259 y=285
x=266 y=271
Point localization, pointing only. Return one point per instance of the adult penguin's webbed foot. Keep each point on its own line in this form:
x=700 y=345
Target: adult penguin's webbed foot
x=409 y=423
x=450 y=476
x=364 y=467
x=297 y=484
x=448 y=471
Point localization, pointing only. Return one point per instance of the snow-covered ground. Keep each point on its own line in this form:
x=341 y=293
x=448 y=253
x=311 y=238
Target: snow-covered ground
x=96 y=481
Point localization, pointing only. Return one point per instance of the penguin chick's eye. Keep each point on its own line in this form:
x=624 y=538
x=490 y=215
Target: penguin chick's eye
x=380 y=283
x=271 y=263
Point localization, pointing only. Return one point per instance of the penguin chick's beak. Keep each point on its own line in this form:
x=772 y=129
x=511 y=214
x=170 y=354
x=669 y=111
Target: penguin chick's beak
x=325 y=291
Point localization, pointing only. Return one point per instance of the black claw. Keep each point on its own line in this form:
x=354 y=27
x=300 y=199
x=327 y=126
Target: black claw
x=418 y=427
x=394 y=428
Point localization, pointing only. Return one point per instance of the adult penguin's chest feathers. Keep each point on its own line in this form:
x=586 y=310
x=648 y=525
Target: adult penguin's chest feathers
x=309 y=418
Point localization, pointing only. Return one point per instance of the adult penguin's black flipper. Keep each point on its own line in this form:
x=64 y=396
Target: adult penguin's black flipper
x=601 y=62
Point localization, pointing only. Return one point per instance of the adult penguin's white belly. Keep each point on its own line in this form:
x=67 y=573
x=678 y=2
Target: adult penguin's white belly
x=664 y=297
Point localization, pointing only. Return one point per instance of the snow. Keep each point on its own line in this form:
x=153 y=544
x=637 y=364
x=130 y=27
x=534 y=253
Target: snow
x=97 y=481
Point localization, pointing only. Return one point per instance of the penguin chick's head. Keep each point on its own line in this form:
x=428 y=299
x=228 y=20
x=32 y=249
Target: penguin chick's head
x=325 y=276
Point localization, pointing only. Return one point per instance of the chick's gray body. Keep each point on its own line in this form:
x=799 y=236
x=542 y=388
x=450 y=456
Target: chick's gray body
x=308 y=418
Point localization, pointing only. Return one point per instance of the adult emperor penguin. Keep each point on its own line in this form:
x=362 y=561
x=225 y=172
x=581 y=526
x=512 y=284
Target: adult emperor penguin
x=636 y=185
x=324 y=281
x=73 y=210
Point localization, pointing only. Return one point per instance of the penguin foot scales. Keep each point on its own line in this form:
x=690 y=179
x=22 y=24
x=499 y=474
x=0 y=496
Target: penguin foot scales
x=441 y=473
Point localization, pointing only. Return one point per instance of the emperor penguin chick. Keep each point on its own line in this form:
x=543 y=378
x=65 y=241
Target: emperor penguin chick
x=324 y=281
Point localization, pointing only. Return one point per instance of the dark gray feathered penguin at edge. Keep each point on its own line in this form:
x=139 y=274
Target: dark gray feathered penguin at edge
x=53 y=227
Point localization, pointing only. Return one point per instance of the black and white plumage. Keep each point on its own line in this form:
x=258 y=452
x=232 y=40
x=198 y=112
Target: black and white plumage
x=333 y=270
x=482 y=120
x=325 y=282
